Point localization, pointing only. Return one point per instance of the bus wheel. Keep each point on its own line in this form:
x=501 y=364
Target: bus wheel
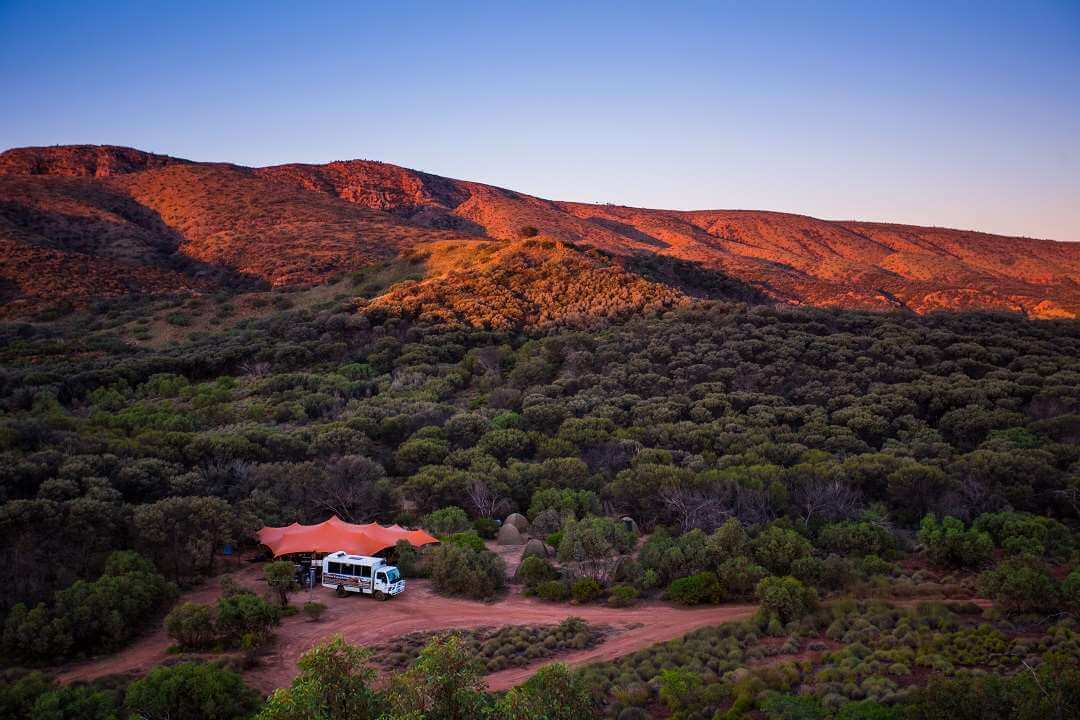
x=380 y=595
x=341 y=591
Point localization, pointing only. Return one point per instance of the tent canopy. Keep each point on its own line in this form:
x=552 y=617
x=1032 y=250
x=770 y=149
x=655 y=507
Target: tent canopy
x=336 y=534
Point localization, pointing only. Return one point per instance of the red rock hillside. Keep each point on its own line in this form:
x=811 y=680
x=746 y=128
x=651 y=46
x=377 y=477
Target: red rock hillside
x=171 y=224
x=534 y=282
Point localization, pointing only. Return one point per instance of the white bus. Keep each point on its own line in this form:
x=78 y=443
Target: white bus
x=361 y=574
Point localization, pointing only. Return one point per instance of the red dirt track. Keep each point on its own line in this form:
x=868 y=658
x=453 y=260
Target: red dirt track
x=365 y=621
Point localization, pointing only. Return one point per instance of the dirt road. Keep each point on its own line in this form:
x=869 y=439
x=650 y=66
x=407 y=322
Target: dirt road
x=365 y=621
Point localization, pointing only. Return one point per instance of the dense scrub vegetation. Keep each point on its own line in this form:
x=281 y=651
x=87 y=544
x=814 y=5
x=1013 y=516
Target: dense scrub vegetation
x=766 y=413
x=848 y=661
x=499 y=648
x=537 y=282
x=238 y=619
x=88 y=617
x=784 y=456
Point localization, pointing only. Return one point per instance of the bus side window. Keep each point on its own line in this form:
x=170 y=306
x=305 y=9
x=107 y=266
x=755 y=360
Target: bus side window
x=333 y=568
x=365 y=571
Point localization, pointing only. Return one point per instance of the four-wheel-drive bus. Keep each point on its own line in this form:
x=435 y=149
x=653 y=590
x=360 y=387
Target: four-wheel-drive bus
x=362 y=574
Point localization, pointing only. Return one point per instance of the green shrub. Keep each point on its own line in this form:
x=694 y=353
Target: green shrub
x=191 y=691
x=672 y=557
x=1021 y=585
x=89 y=616
x=776 y=548
x=1070 y=591
x=458 y=569
x=179 y=319
x=680 y=690
x=191 y=625
x=595 y=543
x=868 y=710
x=728 y=541
x=75 y=702
x=783 y=706
x=875 y=565
x=1021 y=545
x=622 y=596
x=499 y=648
x=785 y=598
x=553 y=693
x=408 y=560
x=697 y=589
x=856 y=538
x=809 y=570
x=314 y=610
x=486 y=527
x=335 y=681
x=552 y=591
x=534 y=570
x=837 y=573
x=506 y=444
x=244 y=617
x=446 y=681
x=18 y=693
x=1024 y=533
x=280 y=576
x=948 y=544
x=446 y=521
x=565 y=501
x=739 y=576
x=468 y=538
x=586 y=589
x=1051 y=690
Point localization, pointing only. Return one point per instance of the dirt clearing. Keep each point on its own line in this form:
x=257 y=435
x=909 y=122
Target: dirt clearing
x=365 y=621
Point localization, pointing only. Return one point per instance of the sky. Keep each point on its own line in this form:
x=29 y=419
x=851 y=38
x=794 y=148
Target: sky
x=954 y=114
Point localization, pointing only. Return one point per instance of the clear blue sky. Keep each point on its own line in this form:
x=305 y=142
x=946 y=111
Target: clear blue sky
x=957 y=114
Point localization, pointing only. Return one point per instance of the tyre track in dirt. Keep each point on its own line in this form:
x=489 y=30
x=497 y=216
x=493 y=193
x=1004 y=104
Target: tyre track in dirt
x=658 y=632
x=658 y=623
x=365 y=621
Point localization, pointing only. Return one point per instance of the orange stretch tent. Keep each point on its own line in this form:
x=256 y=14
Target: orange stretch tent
x=336 y=534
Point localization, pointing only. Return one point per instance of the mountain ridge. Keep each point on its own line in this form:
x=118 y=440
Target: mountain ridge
x=302 y=223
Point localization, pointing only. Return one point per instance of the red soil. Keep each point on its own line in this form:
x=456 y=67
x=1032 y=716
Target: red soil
x=365 y=621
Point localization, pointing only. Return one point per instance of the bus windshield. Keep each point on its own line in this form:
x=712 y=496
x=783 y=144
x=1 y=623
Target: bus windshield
x=393 y=575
